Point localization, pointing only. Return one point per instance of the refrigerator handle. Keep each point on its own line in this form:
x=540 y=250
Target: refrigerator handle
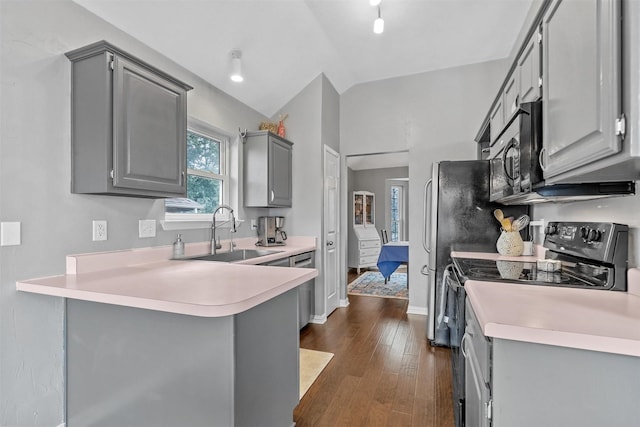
x=426 y=213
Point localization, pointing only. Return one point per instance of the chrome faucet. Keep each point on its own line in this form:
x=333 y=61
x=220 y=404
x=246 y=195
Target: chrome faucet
x=215 y=243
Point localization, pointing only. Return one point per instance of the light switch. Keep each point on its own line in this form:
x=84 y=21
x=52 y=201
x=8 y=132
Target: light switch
x=147 y=228
x=10 y=234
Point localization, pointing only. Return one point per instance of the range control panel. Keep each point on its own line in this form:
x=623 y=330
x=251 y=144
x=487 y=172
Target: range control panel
x=591 y=240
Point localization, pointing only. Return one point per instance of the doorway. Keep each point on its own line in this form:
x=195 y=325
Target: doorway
x=386 y=177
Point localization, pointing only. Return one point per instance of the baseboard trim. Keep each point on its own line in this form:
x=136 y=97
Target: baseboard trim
x=413 y=309
x=318 y=320
x=344 y=302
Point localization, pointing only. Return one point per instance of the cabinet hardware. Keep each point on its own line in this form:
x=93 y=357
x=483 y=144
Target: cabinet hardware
x=111 y=174
x=424 y=270
x=539 y=35
x=112 y=64
x=539 y=81
x=273 y=196
x=490 y=409
x=621 y=126
x=329 y=243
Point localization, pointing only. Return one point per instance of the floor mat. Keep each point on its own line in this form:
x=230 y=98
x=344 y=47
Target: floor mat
x=372 y=283
x=312 y=363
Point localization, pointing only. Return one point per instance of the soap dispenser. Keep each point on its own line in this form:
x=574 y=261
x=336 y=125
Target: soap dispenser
x=178 y=247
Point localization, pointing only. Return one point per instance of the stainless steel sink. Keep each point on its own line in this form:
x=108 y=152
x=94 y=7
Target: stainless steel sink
x=237 y=255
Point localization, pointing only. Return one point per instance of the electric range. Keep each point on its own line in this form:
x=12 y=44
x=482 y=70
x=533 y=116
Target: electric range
x=589 y=255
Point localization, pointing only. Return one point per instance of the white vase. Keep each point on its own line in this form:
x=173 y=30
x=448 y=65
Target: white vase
x=510 y=243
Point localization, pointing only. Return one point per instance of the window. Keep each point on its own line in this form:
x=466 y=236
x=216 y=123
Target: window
x=207 y=175
x=397 y=213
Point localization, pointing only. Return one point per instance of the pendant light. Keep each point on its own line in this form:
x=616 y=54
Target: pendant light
x=236 y=66
x=378 y=24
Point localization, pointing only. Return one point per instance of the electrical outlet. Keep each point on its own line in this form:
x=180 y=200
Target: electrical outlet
x=10 y=234
x=147 y=228
x=99 y=230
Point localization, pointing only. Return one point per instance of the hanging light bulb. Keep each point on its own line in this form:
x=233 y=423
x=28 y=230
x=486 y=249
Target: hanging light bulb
x=236 y=66
x=378 y=24
x=374 y=2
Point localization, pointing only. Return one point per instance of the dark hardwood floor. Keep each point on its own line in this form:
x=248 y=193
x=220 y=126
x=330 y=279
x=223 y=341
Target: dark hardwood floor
x=383 y=373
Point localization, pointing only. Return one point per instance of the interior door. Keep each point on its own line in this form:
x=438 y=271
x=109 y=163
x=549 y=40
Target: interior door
x=331 y=227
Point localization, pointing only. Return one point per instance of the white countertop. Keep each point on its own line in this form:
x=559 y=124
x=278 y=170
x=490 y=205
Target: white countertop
x=606 y=321
x=147 y=278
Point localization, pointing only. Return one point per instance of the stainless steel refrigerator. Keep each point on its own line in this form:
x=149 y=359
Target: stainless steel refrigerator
x=457 y=216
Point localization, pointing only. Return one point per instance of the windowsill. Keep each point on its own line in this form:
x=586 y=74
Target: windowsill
x=171 y=225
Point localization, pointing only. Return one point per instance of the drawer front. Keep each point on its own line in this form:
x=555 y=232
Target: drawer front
x=369 y=244
x=476 y=339
x=369 y=251
x=369 y=260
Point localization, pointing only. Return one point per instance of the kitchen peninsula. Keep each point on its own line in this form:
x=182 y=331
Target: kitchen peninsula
x=157 y=342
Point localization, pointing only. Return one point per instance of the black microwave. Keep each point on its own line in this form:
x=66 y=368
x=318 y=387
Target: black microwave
x=514 y=155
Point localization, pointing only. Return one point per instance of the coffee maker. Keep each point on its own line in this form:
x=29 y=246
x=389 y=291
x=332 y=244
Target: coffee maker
x=270 y=231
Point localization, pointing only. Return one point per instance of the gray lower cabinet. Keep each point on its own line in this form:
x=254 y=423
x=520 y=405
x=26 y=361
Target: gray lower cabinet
x=514 y=383
x=268 y=162
x=581 y=84
x=128 y=125
x=134 y=367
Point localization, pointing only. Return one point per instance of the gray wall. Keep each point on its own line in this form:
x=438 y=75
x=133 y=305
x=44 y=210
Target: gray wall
x=435 y=116
x=314 y=116
x=375 y=181
x=34 y=189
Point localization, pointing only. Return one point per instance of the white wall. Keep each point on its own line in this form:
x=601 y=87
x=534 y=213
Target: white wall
x=435 y=116
x=34 y=189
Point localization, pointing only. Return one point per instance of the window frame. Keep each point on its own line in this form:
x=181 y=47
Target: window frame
x=209 y=131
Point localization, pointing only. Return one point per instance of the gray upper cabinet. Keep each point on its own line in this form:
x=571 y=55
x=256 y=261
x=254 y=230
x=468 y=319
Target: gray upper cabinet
x=496 y=119
x=529 y=69
x=129 y=123
x=267 y=170
x=581 y=84
x=511 y=96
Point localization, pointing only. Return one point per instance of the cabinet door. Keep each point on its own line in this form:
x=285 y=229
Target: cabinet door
x=280 y=163
x=581 y=84
x=510 y=96
x=370 y=210
x=149 y=115
x=496 y=120
x=476 y=401
x=529 y=69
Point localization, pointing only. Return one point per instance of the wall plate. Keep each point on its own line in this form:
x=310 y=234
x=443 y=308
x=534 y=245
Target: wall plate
x=146 y=228
x=99 y=230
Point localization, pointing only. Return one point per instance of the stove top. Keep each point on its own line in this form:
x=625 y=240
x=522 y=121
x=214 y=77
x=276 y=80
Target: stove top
x=593 y=256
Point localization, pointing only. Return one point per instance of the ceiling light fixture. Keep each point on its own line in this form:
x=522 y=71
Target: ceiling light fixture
x=236 y=66
x=374 y=2
x=378 y=24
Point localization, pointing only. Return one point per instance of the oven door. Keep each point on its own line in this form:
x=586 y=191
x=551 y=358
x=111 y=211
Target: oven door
x=456 y=322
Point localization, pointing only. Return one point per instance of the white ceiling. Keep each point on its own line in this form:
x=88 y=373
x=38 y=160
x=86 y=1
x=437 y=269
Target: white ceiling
x=285 y=44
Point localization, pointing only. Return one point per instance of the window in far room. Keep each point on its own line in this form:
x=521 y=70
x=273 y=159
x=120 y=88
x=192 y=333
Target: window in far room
x=397 y=213
x=207 y=175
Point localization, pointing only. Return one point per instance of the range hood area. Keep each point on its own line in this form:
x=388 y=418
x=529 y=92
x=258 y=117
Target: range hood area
x=571 y=192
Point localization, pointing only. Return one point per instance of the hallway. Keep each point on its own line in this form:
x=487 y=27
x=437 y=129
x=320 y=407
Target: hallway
x=384 y=372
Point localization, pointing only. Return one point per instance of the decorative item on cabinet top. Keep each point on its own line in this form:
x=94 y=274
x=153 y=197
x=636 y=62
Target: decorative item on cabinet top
x=128 y=125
